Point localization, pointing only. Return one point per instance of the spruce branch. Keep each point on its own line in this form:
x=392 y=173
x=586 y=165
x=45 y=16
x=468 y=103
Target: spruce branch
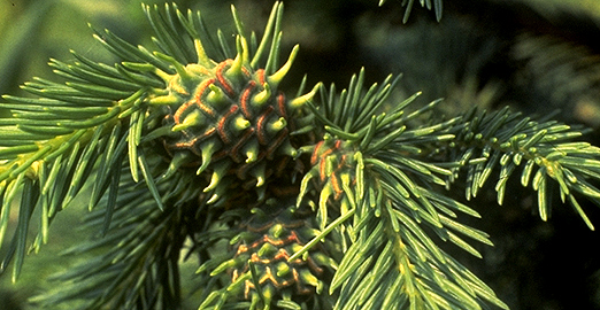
x=548 y=152
x=401 y=160
x=385 y=198
x=139 y=265
x=327 y=199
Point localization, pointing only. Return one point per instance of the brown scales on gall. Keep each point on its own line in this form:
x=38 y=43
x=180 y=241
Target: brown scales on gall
x=332 y=173
x=270 y=237
x=233 y=116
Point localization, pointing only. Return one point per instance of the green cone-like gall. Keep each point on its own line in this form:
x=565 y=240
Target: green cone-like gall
x=228 y=119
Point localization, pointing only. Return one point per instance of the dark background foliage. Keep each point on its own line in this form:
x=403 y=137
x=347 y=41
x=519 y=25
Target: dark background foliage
x=535 y=55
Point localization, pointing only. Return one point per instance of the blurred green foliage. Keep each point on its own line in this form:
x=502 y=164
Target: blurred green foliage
x=590 y=8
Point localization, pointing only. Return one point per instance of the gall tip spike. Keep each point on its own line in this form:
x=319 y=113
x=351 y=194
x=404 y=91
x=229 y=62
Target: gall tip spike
x=263 y=96
x=278 y=76
x=300 y=101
